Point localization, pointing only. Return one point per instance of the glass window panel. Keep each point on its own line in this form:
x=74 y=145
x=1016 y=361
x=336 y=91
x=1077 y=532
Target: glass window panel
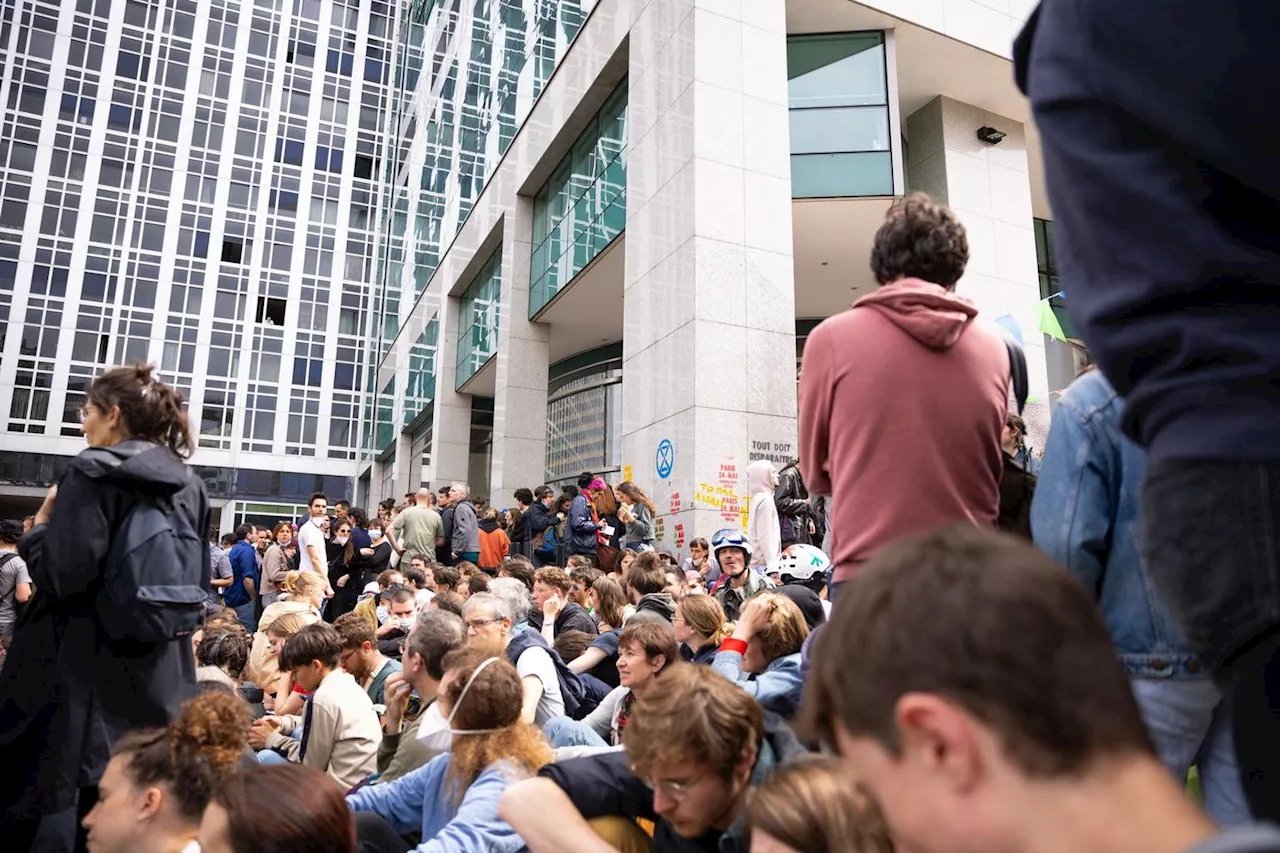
x=836 y=70
x=841 y=175
x=839 y=129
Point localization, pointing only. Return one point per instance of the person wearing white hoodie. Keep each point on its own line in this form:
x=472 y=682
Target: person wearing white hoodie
x=764 y=530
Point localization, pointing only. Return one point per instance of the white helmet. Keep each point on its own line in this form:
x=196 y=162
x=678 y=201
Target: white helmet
x=801 y=562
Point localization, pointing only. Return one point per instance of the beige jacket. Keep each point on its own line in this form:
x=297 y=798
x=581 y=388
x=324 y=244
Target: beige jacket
x=264 y=669
x=344 y=733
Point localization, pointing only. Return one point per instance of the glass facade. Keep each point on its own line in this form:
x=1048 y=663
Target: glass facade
x=420 y=389
x=1046 y=260
x=478 y=323
x=584 y=415
x=838 y=93
x=467 y=74
x=583 y=205
x=187 y=183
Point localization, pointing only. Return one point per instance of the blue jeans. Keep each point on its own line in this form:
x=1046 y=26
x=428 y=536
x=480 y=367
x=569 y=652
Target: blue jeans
x=245 y=614
x=270 y=756
x=562 y=731
x=1190 y=722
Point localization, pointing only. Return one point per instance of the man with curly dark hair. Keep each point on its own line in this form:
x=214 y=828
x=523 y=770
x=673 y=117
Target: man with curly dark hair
x=903 y=397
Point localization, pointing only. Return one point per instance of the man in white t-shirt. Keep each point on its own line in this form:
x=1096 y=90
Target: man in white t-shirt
x=311 y=546
x=489 y=620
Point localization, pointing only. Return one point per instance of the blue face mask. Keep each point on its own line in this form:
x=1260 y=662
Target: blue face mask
x=383 y=612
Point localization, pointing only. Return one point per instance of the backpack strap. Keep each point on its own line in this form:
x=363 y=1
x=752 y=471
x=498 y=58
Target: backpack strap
x=1017 y=369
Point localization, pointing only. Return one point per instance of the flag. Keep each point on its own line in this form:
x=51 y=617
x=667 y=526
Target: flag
x=1049 y=324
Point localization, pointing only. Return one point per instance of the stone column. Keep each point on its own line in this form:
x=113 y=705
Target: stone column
x=520 y=385
x=990 y=188
x=709 y=304
x=451 y=411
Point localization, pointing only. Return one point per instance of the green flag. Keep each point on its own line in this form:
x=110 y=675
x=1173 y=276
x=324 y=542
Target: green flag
x=1049 y=324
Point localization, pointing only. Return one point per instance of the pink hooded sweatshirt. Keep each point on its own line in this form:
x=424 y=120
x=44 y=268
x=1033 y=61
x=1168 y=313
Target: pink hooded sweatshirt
x=902 y=402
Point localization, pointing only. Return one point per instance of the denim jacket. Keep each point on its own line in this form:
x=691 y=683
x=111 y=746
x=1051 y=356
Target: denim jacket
x=1085 y=515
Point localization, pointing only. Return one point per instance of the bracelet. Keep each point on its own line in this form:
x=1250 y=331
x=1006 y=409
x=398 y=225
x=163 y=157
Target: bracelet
x=732 y=645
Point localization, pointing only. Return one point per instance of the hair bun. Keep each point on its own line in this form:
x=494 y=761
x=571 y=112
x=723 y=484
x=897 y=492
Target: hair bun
x=210 y=727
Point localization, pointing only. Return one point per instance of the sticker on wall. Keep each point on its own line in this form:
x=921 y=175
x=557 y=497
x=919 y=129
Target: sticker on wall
x=660 y=530
x=728 y=473
x=675 y=503
x=679 y=535
x=665 y=459
x=626 y=474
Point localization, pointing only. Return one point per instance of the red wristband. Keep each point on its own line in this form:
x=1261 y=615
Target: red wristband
x=732 y=645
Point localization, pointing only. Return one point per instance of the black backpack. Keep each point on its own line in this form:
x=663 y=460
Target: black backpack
x=153 y=583
x=1017 y=485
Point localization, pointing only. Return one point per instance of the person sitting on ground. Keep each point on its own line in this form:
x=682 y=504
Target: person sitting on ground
x=477 y=583
x=280 y=694
x=696 y=745
x=816 y=806
x=552 y=611
x=316 y=818
x=449 y=602
x=971 y=683
x=402 y=610
x=339 y=728
x=738 y=581
x=489 y=621
x=647 y=581
x=571 y=644
x=580 y=582
x=448 y=579
x=763 y=653
x=362 y=659
x=158 y=781
x=495 y=544
x=644 y=650
x=699 y=627
x=518 y=567
x=485 y=746
x=601 y=658
x=299 y=592
x=421 y=578
x=410 y=692
x=368 y=607
x=699 y=560
x=220 y=663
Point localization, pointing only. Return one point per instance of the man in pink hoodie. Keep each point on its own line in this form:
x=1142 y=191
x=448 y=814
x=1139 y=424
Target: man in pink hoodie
x=903 y=397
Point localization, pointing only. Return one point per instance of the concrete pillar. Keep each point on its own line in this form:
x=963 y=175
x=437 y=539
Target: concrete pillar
x=451 y=427
x=709 y=304
x=520 y=385
x=990 y=188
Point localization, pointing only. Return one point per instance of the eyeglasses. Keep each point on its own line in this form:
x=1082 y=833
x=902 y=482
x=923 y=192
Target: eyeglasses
x=677 y=791
x=480 y=623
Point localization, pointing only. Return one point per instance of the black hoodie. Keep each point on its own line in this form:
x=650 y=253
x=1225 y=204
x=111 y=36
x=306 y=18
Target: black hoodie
x=603 y=785
x=66 y=691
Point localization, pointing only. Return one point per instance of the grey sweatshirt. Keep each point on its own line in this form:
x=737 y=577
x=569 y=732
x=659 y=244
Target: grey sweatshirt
x=466 y=530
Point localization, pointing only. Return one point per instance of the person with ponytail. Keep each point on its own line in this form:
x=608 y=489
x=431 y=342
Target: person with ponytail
x=70 y=689
x=484 y=748
x=700 y=628
x=158 y=781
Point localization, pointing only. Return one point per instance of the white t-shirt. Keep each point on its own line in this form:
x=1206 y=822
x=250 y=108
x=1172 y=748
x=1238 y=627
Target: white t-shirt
x=309 y=534
x=424 y=597
x=537 y=663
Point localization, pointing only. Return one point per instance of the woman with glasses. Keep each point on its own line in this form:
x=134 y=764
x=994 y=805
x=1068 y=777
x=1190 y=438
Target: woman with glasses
x=644 y=650
x=485 y=747
x=79 y=674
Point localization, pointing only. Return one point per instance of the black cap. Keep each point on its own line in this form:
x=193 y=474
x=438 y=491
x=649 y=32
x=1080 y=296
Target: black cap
x=808 y=601
x=10 y=530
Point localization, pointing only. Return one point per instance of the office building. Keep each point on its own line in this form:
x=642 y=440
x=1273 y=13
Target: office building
x=192 y=184
x=613 y=222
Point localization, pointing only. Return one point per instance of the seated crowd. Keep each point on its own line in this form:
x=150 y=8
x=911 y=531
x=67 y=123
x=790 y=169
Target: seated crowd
x=965 y=695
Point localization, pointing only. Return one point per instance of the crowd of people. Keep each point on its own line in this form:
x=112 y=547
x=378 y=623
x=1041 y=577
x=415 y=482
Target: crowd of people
x=868 y=666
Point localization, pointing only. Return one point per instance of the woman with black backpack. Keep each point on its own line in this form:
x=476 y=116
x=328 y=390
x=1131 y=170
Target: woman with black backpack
x=121 y=574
